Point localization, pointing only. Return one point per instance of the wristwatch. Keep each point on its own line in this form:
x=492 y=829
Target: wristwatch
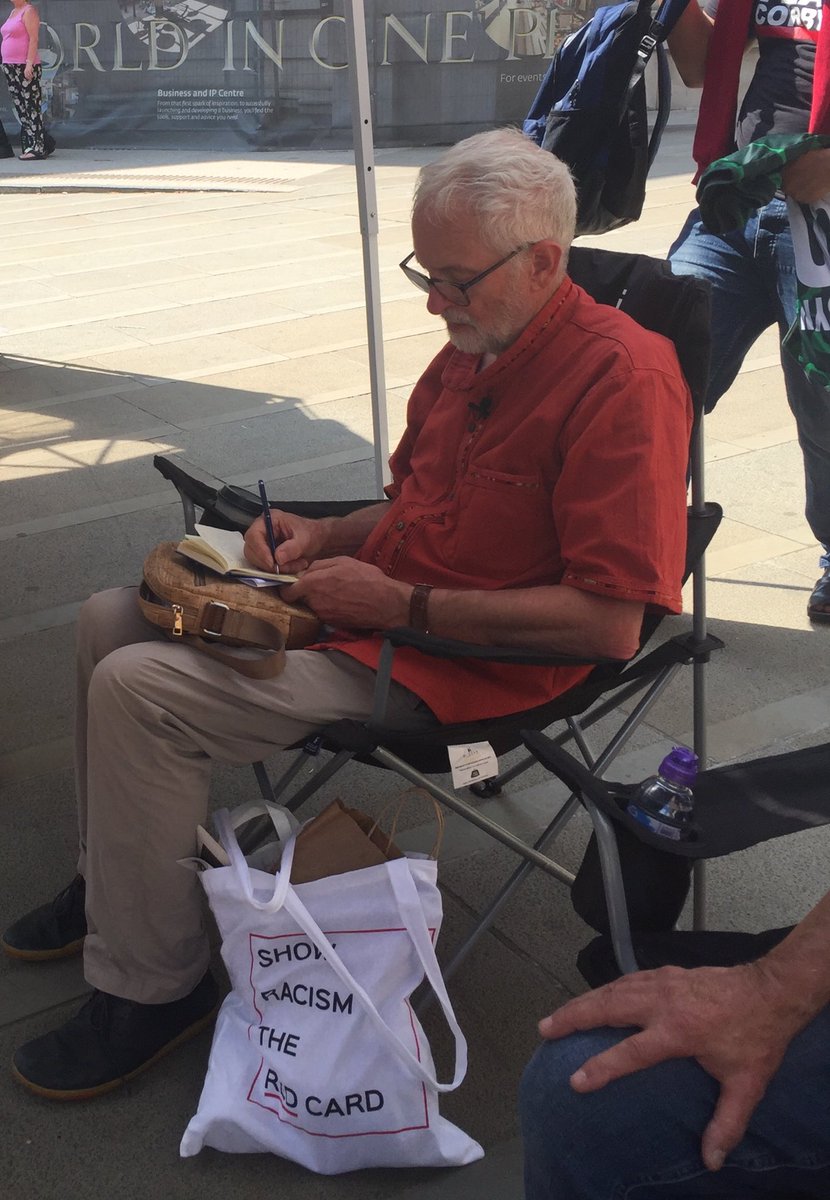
x=418 y=616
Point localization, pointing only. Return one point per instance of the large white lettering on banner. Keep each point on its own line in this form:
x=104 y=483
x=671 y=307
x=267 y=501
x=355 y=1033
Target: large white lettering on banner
x=273 y=72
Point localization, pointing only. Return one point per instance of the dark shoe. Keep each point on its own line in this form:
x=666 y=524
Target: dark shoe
x=818 y=606
x=6 y=152
x=49 y=144
x=110 y=1041
x=55 y=930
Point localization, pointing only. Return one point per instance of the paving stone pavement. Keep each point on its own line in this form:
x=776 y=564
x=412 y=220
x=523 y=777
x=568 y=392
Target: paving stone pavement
x=214 y=306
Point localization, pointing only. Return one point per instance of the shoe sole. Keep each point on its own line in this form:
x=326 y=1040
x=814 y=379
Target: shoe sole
x=112 y=1084
x=66 y=951
x=822 y=618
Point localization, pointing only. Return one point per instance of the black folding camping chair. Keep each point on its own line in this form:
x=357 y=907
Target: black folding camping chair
x=673 y=305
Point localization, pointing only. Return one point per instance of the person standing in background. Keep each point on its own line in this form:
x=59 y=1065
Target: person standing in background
x=752 y=270
x=21 y=67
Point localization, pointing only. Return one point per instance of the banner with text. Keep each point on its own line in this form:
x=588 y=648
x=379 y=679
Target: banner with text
x=273 y=73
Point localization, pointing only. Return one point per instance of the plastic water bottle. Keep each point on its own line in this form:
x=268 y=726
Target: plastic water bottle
x=664 y=802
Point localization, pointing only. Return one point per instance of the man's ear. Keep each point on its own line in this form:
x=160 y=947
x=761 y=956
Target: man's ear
x=546 y=263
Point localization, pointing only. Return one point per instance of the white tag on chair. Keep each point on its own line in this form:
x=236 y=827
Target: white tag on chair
x=471 y=763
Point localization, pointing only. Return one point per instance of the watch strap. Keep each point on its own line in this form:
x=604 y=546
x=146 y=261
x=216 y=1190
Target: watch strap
x=418 y=604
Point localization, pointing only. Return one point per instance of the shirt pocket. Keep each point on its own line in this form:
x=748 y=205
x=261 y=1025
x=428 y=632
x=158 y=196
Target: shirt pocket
x=504 y=530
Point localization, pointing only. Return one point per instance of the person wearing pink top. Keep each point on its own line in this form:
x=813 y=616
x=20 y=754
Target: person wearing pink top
x=21 y=66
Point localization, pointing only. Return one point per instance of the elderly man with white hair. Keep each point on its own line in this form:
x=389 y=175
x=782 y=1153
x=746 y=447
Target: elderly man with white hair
x=537 y=500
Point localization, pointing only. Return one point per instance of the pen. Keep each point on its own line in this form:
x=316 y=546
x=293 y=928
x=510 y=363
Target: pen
x=269 y=527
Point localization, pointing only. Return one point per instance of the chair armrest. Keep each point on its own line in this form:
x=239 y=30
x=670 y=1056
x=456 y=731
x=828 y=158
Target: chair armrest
x=438 y=647
x=232 y=506
x=609 y=798
x=200 y=486
x=567 y=768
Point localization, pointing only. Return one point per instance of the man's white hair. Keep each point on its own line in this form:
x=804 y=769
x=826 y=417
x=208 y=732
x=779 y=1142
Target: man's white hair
x=515 y=191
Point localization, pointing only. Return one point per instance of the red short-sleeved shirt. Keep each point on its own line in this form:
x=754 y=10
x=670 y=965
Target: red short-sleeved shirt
x=576 y=476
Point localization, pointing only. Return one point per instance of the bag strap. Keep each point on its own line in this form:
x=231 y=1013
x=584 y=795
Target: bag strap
x=422 y=944
x=227 y=836
x=266 y=666
x=282 y=820
x=665 y=19
x=663 y=103
x=411 y=912
x=216 y=620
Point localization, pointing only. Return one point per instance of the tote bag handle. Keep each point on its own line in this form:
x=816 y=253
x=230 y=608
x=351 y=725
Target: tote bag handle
x=227 y=836
x=409 y=908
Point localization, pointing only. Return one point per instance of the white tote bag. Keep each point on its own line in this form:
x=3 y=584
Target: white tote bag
x=317 y=1054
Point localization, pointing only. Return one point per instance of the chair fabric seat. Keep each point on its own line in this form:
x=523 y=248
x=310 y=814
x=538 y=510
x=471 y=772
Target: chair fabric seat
x=426 y=749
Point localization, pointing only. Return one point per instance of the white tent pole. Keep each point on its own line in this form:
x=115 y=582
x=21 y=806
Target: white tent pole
x=364 y=161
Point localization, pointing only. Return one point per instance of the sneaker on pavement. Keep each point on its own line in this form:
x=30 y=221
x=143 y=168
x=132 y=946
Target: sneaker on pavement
x=818 y=606
x=55 y=930
x=109 y=1041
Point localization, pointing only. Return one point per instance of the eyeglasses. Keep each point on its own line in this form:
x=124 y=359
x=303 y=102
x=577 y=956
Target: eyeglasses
x=456 y=293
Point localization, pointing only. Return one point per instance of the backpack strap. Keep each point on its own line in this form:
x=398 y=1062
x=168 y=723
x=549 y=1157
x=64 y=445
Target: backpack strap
x=663 y=103
x=665 y=19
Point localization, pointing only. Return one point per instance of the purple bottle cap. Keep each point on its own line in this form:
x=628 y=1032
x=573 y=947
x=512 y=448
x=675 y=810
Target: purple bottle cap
x=680 y=766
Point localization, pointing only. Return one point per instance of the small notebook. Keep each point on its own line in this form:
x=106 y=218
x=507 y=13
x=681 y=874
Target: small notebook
x=223 y=550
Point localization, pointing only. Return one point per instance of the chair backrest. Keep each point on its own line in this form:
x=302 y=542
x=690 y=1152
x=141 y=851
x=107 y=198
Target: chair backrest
x=677 y=306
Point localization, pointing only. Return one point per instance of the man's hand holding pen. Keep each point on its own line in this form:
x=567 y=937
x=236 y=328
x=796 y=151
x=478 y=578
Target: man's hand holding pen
x=298 y=542
x=342 y=591
x=281 y=542
x=293 y=549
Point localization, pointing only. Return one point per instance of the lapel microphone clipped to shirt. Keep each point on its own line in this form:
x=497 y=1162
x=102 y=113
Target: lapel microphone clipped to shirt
x=482 y=408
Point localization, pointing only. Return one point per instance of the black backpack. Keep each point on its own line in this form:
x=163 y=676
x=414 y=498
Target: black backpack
x=590 y=110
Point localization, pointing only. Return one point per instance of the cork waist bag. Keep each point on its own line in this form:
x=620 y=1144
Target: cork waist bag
x=207 y=611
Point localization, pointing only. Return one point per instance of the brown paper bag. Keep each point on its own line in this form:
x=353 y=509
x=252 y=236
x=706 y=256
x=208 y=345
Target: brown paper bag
x=338 y=840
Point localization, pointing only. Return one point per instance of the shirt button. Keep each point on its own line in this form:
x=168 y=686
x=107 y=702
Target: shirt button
x=400 y=524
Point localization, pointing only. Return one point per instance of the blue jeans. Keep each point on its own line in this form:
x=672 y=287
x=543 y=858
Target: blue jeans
x=752 y=272
x=639 y=1137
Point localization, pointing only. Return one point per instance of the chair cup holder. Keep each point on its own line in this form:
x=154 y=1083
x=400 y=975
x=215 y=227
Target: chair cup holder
x=690 y=844
x=656 y=874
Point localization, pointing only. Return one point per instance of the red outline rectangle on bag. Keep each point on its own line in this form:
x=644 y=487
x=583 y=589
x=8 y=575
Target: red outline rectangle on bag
x=282 y=1100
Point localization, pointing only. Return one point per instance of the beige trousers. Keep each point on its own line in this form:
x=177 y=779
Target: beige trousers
x=150 y=717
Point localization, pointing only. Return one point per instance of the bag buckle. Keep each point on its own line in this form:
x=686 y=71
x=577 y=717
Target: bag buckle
x=214 y=618
x=178 y=620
